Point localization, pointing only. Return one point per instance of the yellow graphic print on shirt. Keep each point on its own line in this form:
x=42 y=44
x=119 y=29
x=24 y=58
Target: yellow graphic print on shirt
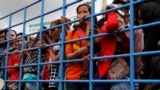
x=76 y=47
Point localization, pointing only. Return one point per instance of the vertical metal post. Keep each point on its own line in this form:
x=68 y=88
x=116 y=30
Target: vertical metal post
x=7 y=51
x=91 y=45
x=132 y=74
x=39 y=50
x=22 y=48
x=62 y=50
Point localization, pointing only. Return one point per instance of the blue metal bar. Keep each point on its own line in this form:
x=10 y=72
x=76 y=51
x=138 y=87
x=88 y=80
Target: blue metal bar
x=52 y=11
x=62 y=50
x=34 y=80
x=132 y=74
x=147 y=53
x=7 y=50
x=22 y=47
x=147 y=81
x=21 y=9
x=33 y=3
x=124 y=30
x=33 y=18
x=147 y=25
x=41 y=39
x=86 y=81
x=59 y=8
x=91 y=45
x=98 y=81
x=113 y=56
x=4 y=17
x=16 y=24
x=62 y=60
x=103 y=57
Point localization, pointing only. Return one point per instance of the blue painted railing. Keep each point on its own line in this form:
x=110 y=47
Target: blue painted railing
x=62 y=62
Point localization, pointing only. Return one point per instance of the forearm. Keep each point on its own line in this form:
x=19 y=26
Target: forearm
x=78 y=53
x=74 y=55
x=54 y=57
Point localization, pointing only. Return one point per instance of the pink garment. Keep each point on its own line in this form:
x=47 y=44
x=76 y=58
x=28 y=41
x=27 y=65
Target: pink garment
x=138 y=47
x=138 y=40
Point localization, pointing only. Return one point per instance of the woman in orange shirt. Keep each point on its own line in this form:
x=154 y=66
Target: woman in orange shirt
x=78 y=49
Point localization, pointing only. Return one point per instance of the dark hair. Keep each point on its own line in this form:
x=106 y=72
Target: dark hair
x=101 y=22
x=120 y=1
x=14 y=32
x=75 y=26
x=89 y=9
x=20 y=34
x=55 y=22
x=84 y=4
x=4 y=31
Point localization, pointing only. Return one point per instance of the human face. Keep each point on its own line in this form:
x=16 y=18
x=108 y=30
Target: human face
x=2 y=36
x=19 y=43
x=12 y=36
x=82 y=11
x=55 y=33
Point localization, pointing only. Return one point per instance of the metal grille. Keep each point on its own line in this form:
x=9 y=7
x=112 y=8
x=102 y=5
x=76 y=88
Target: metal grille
x=62 y=62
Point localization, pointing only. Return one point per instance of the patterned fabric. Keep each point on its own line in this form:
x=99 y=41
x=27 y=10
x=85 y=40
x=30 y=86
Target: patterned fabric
x=118 y=69
x=33 y=59
x=54 y=70
x=120 y=86
x=53 y=75
x=13 y=86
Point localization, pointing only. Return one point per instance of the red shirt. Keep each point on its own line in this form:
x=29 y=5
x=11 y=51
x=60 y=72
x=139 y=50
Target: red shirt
x=108 y=43
x=13 y=72
x=45 y=71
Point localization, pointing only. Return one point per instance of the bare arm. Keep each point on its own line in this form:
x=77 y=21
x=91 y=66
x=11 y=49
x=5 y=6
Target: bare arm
x=78 y=53
x=54 y=57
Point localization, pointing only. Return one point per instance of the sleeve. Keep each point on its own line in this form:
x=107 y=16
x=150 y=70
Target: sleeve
x=56 y=48
x=12 y=58
x=112 y=23
x=68 y=46
x=139 y=41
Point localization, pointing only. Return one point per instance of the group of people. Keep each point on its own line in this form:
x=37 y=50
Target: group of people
x=113 y=43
